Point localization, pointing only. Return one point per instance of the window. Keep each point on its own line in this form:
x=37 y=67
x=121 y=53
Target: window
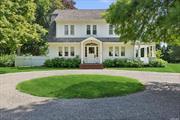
x=91 y=50
x=151 y=50
x=60 y=51
x=110 y=51
x=88 y=30
x=94 y=29
x=66 y=52
x=122 y=51
x=116 y=51
x=66 y=29
x=148 y=54
x=72 y=29
x=137 y=53
x=111 y=29
x=142 y=52
x=85 y=51
x=72 y=51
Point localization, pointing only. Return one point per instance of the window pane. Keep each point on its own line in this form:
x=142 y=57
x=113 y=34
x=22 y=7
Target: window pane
x=148 y=52
x=116 y=51
x=60 y=51
x=110 y=29
x=72 y=29
x=85 y=51
x=66 y=31
x=88 y=29
x=94 y=29
x=142 y=52
x=137 y=53
x=72 y=51
x=122 y=51
x=151 y=51
x=110 y=51
x=66 y=51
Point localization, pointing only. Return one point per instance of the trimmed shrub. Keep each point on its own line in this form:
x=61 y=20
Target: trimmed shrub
x=7 y=60
x=122 y=63
x=157 y=63
x=63 y=62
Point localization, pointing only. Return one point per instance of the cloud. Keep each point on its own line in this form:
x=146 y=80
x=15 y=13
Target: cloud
x=106 y=1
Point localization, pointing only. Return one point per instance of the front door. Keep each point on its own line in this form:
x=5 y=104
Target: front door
x=92 y=54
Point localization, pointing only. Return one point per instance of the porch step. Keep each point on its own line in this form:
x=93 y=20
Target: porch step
x=91 y=66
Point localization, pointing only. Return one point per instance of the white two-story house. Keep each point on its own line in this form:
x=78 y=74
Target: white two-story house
x=86 y=34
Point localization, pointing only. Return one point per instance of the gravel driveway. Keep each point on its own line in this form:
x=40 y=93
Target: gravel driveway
x=160 y=100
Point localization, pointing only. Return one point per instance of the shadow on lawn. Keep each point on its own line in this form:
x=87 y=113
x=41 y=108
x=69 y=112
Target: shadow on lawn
x=160 y=101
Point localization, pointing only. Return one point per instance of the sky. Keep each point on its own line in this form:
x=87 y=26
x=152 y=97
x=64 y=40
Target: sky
x=93 y=4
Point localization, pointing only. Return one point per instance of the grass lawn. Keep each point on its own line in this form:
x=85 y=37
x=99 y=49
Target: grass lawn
x=80 y=86
x=4 y=70
x=173 y=68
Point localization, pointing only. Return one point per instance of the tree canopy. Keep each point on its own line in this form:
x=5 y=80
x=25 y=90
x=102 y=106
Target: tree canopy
x=25 y=23
x=146 y=20
x=17 y=23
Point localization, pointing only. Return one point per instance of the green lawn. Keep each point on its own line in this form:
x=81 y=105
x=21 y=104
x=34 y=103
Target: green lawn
x=80 y=86
x=173 y=68
x=4 y=70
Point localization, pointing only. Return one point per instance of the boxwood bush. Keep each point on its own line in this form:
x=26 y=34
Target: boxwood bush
x=157 y=63
x=122 y=63
x=7 y=60
x=133 y=63
x=63 y=62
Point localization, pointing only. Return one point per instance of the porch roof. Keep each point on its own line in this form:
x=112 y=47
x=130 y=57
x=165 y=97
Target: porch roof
x=70 y=39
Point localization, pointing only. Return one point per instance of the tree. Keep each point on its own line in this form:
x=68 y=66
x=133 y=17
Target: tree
x=146 y=20
x=17 y=24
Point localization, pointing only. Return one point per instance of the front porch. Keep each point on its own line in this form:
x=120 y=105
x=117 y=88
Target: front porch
x=91 y=51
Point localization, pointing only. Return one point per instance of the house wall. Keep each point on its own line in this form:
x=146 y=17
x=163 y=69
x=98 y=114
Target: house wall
x=80 y=28
x=53 y=49
x=129 y=49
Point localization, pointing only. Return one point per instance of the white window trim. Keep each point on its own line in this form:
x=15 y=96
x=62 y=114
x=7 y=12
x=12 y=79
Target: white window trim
x=69 y=30
x=91 y=30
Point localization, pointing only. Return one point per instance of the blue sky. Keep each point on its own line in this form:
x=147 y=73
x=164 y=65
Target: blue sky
x=93 y=4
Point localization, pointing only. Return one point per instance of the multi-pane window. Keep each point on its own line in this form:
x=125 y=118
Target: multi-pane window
x=111 y=51
x=116 y=51
x=142 y=52
x=72 y=29
x=66 y=51
x=72 y=51
x=111 y=29
x=137 y=53
x=66 y=29
x=85 y=51
x=94 y=29
x=123 y=50
x=88 y=29
x=151 y=50
x=148 y=54
x=60 y=51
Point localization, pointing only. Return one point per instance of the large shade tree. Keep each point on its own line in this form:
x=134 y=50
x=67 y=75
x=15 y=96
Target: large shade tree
x=146 y=20
x=17 y=25
x=43 y=14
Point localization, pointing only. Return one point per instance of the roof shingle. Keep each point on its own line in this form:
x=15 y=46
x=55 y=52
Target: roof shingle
x=84 y=14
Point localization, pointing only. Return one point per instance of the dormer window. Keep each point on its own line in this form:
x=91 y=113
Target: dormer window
x=88 y=29
x=66 y=30
x=94 y=29
x=69 y=29
x=111 y=29
x=72 y=30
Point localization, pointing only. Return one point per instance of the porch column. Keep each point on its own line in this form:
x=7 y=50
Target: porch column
x=145 y=51
x=82 y=53
x=101 y=54
x=139 y=52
